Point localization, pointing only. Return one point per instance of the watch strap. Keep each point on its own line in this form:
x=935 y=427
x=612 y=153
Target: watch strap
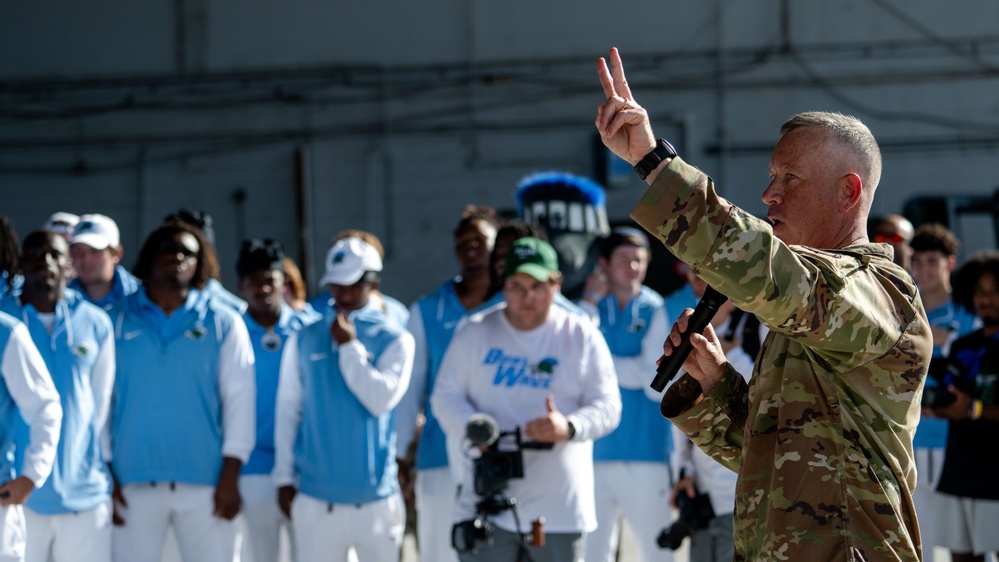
x=662 y=151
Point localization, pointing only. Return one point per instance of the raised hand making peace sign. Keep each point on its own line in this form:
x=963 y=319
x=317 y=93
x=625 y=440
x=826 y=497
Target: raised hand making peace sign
x=623 y=124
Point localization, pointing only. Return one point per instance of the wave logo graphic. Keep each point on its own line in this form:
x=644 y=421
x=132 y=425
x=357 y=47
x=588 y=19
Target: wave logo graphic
x=517 y=371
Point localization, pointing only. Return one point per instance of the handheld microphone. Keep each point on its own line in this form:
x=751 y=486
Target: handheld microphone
x=670 y=364
x=482 y=430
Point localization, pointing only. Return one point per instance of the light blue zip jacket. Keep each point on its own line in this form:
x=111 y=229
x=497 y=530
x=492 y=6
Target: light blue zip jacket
x=26 y=389
x=184 y=394
x=336 y=430
x=643 y=434
x=79 y=354
x=267 y=349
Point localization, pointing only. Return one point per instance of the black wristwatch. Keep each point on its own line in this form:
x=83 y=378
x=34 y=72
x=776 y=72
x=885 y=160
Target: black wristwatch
x=572 y=429
x=662 y=151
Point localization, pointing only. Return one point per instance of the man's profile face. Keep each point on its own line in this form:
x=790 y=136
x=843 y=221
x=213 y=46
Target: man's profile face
x=263 y=290
x=93 y=265
x=931 y=269
x=176 y=260
x=528 y=300
x=802 y=190
x=896 y=231
x=46 y=262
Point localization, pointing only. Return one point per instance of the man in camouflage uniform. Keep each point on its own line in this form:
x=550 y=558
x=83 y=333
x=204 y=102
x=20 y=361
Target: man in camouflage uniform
x=822 y=435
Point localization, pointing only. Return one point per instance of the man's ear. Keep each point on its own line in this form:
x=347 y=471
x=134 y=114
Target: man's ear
x=850 y=190
x=117 y=254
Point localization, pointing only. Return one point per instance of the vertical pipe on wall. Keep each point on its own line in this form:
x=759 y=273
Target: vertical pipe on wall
x=471 y=73
x=179 y=37
x=190 y=35
x=389 y=206
x=303 y=217
x=785 y=26
x=141 y=200
x=721 y=93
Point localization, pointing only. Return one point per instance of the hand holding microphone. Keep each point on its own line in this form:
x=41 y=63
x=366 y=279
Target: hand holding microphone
x=708 y=362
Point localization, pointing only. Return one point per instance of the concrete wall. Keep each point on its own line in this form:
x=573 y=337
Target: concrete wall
x=391 y=116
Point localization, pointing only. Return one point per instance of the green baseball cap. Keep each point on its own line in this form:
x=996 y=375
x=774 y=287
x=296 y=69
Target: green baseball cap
x=532 y=256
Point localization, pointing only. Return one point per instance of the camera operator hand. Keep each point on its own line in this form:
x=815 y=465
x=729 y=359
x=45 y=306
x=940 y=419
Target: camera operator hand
x=706 y=362
x=959 y=409
x=684 y=485
x=552 y=428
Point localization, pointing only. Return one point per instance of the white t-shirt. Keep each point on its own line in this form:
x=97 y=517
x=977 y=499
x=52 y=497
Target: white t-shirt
x=494 y=368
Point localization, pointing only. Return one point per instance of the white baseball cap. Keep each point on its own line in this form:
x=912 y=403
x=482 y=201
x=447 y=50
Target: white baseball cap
x=97 y=231
x=348 y=260
x=61 y=222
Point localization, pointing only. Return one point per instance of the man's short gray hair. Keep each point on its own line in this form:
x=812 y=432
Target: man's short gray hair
x=848 y=131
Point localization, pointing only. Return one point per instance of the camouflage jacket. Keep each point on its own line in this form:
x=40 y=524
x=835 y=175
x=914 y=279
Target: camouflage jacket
x=822 y=435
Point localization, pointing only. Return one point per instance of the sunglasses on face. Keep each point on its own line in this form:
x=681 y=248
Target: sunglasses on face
x=893 y=239
x=173 y=248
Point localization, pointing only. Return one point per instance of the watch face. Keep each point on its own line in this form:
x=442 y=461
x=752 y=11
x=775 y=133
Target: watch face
x=664 y=149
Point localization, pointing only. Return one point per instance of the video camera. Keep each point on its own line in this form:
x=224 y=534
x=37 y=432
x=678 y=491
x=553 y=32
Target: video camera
x=942 y=373
x=495 y=468
x=502 y=461
x=695 y=514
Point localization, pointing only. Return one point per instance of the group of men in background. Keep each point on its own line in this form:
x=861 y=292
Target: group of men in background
x=180 y=405
x=956 y=439
x=155 y=399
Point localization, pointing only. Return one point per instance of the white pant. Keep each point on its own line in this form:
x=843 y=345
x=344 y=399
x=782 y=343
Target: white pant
x=435 y=500
x=967 y=524
x=84 y=536
x=261 y=518
x=152 y=509
x=638 y=492
x=12 y=534
x=929 y=465
x=325 y=532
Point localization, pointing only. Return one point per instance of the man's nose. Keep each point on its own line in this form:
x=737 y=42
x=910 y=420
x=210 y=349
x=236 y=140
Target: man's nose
x=772 y=195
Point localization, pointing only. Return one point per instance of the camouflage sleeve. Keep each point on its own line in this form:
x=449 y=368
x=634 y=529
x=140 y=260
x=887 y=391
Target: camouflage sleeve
x=714 y=424
x=810 y=295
